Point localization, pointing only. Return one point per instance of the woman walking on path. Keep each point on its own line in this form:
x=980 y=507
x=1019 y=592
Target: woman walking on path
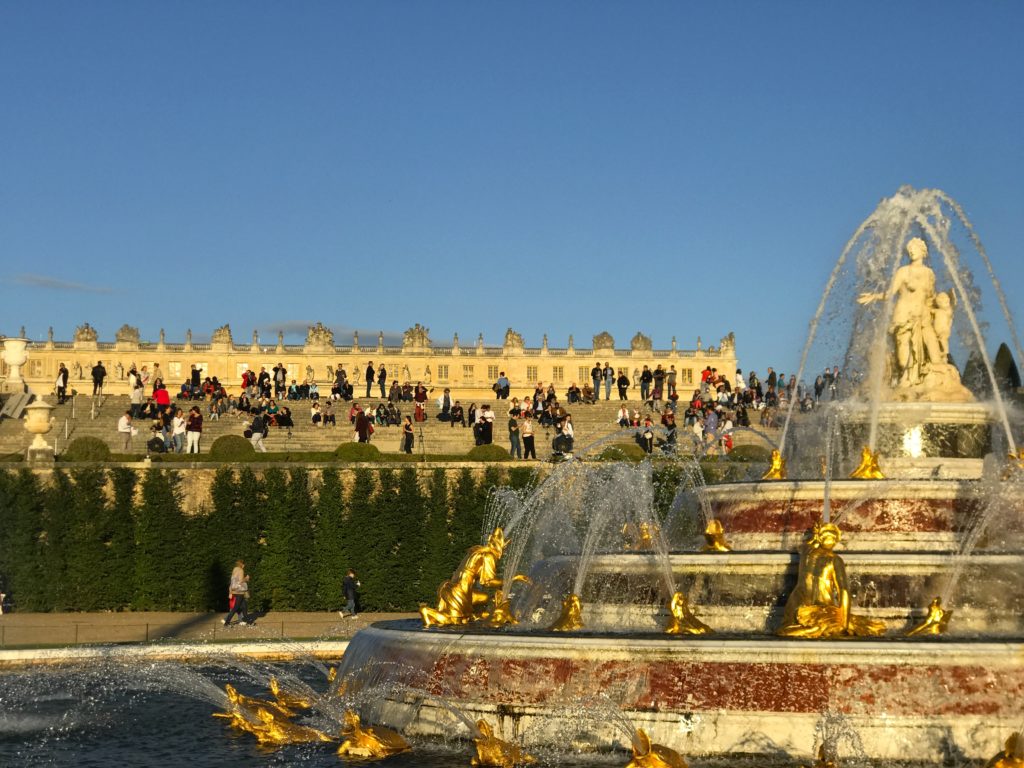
x=350 y=587
x=238 y=595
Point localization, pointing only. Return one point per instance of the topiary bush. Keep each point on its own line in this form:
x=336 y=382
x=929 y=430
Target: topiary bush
x=357 y=452
x=488 y=453
x=87 y=449
x=750 y=453
x=623 y=452
x=232 y=448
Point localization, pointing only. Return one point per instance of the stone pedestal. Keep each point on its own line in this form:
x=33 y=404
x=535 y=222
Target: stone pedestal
x=38 y=422
x=15 y=355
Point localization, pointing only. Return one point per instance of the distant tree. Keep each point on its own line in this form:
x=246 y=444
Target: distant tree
x=437 y=545
x=25 y=579
x=162 y=579
x=329 y=536
x=118 y=568
x=86 y=542
x=58 y=528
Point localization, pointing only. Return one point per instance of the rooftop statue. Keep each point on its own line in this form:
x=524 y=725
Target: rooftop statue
x=604 y=340
x=85 y=332
x=222 y=335
x=459 y=597
x=513 y=340
x=127 y=333
x=417 y=336
x=319 y=335
x=819 y=605
x=641 y=343
x=919 y=327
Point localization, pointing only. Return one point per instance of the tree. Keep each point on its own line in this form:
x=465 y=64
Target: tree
x=86 y=547
x=162 y=580
x=437 y=545
x=284 y=575
x=328 y=538
x=118 y=570
x=23 y=541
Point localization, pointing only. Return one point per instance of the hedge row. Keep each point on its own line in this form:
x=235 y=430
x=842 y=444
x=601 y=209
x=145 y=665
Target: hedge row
x=81 y=542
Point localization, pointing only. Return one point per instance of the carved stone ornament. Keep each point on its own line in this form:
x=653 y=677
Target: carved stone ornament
x=417 y=336
x=640 y=343
x=319 y=335
x=222 y=335
x=604 y=340
x=127 y=333
x=513 y=340
x=85 y=332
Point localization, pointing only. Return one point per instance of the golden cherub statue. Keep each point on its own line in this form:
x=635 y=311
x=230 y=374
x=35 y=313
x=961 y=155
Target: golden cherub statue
x=868 y=468
x=371 y=742
x=275 y=731
x=571 y=617
x=682 y=620
x=714 y=537
x=935 y=622
x=497 y=753
x=777 y=468
x=819 y=605
x=289 y=699
x=648 y=755
x=640 y=537
x=458 y=597
x=253 y=704
x=1011 y=756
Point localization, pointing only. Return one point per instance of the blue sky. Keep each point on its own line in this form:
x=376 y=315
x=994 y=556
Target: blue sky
x=677 y=168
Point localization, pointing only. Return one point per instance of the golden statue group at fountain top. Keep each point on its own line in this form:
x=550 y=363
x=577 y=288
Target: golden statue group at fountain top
x=463 y=598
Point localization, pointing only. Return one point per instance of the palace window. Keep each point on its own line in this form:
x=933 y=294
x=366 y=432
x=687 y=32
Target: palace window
x=492 y=372
x=583 y=373
x=557 y=373
x=686 y=376
x=241 y=368
x=467 y=373
x=442 y=372
x=531 y=373
x=174 y=371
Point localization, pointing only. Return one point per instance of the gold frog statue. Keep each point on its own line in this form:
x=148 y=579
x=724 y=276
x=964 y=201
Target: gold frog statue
x=648 y=755
x=497 y=753
x=373 y=742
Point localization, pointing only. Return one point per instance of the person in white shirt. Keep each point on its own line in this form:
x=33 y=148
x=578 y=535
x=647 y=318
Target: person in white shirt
x=126 y=430
x=178 y=431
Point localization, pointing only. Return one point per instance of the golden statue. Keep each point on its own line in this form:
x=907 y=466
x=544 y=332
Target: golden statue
x=714 y=537
x=332 y=674
x=819 y=605
x=683 y=622
x=571 y=617
x=274 y=731
x=1014 y=464
x=822 y=761
x=254 y=705
x=868 y=468
x=501 y=611
x=457 y=598
x=1010 y=757
x=495 y=752
x=372 y=742
x=935 y=622
x=777 y=469
x=648 y=755
x=289 y=699
x=640 y=538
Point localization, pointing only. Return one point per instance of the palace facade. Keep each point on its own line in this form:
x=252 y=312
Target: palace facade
x=469 y=371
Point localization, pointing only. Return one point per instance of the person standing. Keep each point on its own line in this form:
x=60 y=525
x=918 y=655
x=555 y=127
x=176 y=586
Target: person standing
x=193 y=429
x=238 y=595
x=407 y=435
x=350 y=588
x=99 y=373
x=369 y=378
x=645 y=384
x=62 y=384
x=529 y=450
x=126 y=430
x=515 y=449
x=671 y=381
x=363 y=427
x=609 y=378
x=178 y=425
x=596 y=375
x=257 y=431
x=382 y=377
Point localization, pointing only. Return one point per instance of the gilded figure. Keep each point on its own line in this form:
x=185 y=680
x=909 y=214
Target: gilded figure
x=682 y=621
x=277 y=731
x=714 y=537
x=371 y=742
x=497 y=753
x=1012 y=755
x=571 y=617
x=935 y=622
x=776 y=469
x=649 y=755
x=289 y=699
x=819 y=605
x=459 y=598
x=868 y=468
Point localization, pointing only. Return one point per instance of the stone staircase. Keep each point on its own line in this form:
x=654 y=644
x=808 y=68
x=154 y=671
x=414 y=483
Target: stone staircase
x=98 y=418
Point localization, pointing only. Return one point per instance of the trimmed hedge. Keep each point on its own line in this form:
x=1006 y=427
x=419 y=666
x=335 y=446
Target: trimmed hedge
x=357 y=452
x=86 y=449
x=232 y=448
x=488 y=453
x=750 y=453
x=623 y=452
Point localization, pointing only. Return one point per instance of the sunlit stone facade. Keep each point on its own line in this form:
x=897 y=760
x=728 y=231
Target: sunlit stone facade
x=470 y=370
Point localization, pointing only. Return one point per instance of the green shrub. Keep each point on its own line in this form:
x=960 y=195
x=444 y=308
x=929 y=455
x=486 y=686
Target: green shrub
x=357 y=452
x=488 y=453
x=232 y=448
x=623 y=452
x=87 y=449
x=750 y=453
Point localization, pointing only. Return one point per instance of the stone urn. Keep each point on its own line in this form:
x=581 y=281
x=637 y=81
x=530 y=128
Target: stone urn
x=15 y=355
x=38 y=422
